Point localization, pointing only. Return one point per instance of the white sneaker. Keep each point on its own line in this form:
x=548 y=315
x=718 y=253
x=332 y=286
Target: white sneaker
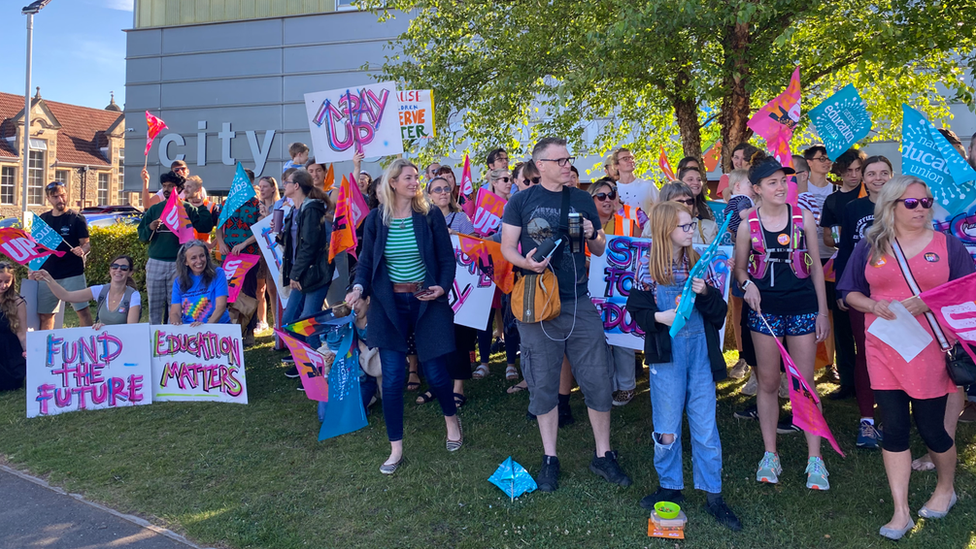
x=739 y=370
x=784 y=385
x=752 y=386
x=261 y=327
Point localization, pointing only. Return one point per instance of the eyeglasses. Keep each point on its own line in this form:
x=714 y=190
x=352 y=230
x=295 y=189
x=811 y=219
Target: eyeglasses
x=602 y=197
x=912 y=203
x=688 y=227
x=533 y=181
x=505 y=179
x=685 y=201
x=822 y=159
x=625 y=159
x=439 y=190
x=116 y=266
x=561 y=162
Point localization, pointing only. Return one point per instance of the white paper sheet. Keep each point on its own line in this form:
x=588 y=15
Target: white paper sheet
x=904 y=334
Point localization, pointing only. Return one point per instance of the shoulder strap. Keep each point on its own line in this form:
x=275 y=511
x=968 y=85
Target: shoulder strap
x=102 y=297
x=756 y=236
x=557 y=256
x=906 y=271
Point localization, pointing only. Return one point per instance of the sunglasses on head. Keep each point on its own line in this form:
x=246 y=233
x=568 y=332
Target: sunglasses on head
x=912 y=203
x=54 y=185
x=121 y=267
x=531 y=181
x=602 y=197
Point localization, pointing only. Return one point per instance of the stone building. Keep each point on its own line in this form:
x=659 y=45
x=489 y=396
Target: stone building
x=80 y=146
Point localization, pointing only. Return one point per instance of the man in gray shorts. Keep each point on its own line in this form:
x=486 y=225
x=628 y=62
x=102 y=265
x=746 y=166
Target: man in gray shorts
x=531 y=217
x=68 y=270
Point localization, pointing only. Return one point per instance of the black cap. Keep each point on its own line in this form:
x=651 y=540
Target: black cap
x=767 y=168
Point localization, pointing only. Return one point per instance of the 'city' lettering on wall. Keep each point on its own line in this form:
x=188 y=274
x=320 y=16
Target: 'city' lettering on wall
x=259 y=151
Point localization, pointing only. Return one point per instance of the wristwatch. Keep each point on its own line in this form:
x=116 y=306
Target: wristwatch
x=746 y=284
x=358 y=287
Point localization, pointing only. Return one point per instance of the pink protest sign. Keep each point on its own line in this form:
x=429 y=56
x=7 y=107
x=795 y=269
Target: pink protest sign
x=20 y=247
x=175 y=218
x=311 y=365
x=235 y=268
x=775 y=123
x=358 y=209
x=954 y=307
x=488 y=212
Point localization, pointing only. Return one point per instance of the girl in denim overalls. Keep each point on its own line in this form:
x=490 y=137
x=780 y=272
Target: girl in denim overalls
x=683 y=369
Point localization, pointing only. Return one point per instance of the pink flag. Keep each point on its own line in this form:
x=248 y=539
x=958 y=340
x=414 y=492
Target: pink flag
x=311 y=367
x=235 y=268
x=174 y=216
x=775 y=123
x=154 y=125
x=804 y=400
x=954 y=306
x=358 y=208
x=20 y=247
x=488 y=211
x=467 y=185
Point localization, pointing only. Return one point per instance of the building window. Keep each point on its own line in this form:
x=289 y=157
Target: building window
x=345 y=5
x=103 y=188
x=8 y=183
x=35 y=178
x=121 y=174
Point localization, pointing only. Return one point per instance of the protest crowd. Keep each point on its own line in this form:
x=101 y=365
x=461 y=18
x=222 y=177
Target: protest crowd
x=823 y=247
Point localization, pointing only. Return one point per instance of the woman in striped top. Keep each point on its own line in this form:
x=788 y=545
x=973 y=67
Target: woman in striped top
x=406 y=267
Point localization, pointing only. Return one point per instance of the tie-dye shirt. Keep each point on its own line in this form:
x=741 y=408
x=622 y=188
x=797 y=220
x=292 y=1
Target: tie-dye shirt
x=198 y=301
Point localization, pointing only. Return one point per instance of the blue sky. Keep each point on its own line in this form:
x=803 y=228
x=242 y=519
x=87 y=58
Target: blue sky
x=79 y=50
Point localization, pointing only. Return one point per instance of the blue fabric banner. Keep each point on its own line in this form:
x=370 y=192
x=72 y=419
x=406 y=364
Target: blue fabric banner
x=240 y=192
x=927 y=154
x=841 y=120
x=43 y=234
x=344 y=413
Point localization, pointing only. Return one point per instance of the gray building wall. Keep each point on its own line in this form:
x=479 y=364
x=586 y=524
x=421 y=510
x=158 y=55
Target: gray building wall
x=251 y=75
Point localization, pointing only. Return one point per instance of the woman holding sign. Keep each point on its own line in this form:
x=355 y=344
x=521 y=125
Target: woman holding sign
x=901 y=257
x=13 y=331
x=118 y=302
x=407 y=265
x=200 y=289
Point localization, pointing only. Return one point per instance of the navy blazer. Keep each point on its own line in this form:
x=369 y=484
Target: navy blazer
x=434 y=334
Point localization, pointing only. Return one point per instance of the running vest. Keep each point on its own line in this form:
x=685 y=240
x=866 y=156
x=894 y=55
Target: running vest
x=796 y=252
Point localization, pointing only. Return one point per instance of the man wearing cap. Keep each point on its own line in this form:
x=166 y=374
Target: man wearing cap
x=69 y=269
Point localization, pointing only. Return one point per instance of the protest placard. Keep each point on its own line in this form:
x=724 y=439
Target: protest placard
x=473 y=290
x=612 y=276
x=416 y=113
x=75 y=369
x=202 y=363
x=488 y=211
x=271 y=252
x=235 y=269
x=362 y=119
x=841 y=120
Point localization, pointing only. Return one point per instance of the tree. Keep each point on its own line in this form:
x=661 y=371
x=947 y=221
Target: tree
x=641 y=72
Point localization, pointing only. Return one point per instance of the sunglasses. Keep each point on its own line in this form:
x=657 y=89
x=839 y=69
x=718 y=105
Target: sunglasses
x=912 y=203
x=439 y=190
x=688 y=227
x=533 y=181
x=602 y=197
x=505 y=179
x=54 y=185
x=123 y=268
x=685 y=201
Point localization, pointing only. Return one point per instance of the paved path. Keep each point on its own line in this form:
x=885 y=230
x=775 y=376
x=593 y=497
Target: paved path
x=33 y=514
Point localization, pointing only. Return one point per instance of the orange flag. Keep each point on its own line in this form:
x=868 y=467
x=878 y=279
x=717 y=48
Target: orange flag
x=665 y=165
x=490 y=260
x=343 y=232
x=329 y=179
x=712 y=156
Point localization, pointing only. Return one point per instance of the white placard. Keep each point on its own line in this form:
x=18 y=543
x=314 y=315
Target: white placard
x=203 y=363
x=272 y=252
x=472 y=293
x=347 y=120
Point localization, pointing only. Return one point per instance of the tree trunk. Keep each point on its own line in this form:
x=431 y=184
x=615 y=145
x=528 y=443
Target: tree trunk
x=735 y=104
x=686 y=113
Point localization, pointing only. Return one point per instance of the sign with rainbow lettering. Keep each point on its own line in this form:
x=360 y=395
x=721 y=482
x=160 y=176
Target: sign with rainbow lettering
x=473 y=290
x=416 y=114
x=841 y=120
x=362 y=119
x=203 y=363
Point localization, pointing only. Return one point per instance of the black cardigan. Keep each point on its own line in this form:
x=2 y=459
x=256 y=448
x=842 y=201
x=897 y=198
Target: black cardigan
x=434 y=333
x=657 y=341
x=311 y=268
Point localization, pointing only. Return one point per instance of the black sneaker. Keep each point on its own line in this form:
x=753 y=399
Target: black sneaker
x=498 y=346
x=608 y=468
x=748 y=413
x=724 y=515
x=786 y=427
x=292 y=372
x=662 y=494
x=548 y=477
x=529 y=416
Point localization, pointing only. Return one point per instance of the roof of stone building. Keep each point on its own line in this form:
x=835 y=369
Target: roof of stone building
x=81 y=130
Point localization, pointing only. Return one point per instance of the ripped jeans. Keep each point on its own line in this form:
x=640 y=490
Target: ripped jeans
x=685 y=386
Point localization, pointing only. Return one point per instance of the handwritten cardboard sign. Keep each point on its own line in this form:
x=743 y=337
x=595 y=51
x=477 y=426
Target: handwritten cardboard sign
x=473 y=291
x=203 y=363
x=362 y=119
x=488 y=211
x=416 y=114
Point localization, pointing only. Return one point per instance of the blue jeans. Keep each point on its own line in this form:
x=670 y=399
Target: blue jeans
x=685 y=385
x=394 y=364
x=301 y=305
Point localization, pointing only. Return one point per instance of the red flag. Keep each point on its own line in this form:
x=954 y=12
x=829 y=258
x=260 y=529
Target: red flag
x=343 y=232
x=775 y=123
x=153 y=127
x=954 y=307
x=359 y=207
x=490 y=260
x=20 y=247
x=174 y=216
x=235 y=269
x=665 y=165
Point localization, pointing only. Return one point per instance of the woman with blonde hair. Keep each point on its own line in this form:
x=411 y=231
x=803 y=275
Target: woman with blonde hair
x=901 y=257
x=407 y=267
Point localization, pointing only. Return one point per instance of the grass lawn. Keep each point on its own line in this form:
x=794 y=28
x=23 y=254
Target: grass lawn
x=256 y=475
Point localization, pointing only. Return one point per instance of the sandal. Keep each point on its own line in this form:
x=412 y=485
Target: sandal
x=459 y=400
x=517 y=388
x=425 y=397
x=923 y=463
x=480 y=372
x=413 y=385
x=511 y=373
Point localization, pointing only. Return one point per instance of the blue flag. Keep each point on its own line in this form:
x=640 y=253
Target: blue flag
x=344 y=413
x=44 y=235
x=687 y=300
x=512 y=478
x=841 y=120
x=927 y=154
x=240 y=192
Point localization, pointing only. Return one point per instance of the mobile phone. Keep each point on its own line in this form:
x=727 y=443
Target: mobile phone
x=546 y=249
x=423 y=293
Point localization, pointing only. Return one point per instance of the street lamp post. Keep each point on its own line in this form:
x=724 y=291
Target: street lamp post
x=29 y=11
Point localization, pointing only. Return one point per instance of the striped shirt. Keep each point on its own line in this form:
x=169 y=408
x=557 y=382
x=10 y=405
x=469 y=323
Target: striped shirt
x=401 y=253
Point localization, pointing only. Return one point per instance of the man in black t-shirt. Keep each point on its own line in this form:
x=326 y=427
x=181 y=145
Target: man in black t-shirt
x=531 y=217
x=69 y=269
